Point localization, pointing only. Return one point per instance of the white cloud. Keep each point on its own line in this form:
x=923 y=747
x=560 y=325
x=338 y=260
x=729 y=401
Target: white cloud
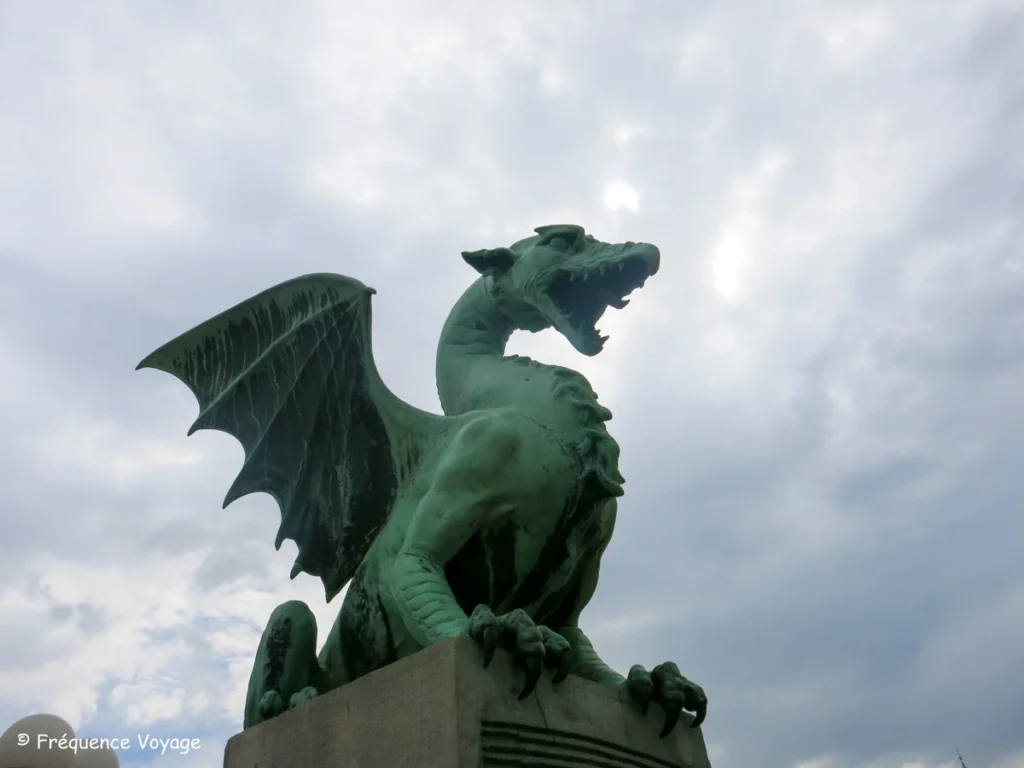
x=856 y=35
x=1012 y=761
x=825 y=761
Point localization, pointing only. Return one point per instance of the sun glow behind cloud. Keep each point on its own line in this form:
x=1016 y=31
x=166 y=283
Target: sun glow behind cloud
x=729 y=256
x=619 y=195
x=736 y=242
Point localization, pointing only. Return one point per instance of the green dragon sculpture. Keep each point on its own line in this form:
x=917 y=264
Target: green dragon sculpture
x=489 y=521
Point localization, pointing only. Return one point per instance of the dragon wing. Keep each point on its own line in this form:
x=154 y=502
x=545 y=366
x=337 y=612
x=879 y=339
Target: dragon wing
x=290 y=374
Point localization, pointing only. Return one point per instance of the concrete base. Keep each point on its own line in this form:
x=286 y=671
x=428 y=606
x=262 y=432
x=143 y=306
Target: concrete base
x=440 y=709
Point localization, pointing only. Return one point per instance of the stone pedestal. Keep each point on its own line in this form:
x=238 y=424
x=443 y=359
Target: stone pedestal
x=441 y=709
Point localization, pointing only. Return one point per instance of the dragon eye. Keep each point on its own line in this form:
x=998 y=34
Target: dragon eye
x=558 y=243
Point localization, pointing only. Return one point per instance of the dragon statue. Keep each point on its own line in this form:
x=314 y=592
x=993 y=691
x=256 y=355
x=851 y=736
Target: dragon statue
x=489 y=521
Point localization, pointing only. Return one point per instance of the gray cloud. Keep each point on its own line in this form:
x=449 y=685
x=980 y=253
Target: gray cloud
x=818 y=398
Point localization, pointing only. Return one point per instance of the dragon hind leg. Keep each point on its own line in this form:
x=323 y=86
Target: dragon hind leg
x=286 y=673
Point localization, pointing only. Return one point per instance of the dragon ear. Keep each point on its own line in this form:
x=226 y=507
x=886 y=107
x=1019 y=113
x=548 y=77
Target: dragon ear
x=491 y=261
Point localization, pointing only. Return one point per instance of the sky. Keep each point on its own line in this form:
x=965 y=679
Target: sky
x=818 y=397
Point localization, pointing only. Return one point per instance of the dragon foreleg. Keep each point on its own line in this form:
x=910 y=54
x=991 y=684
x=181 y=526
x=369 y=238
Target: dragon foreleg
x=425 y=600
x=479 y=480
x=471 y=486
x=664 y=684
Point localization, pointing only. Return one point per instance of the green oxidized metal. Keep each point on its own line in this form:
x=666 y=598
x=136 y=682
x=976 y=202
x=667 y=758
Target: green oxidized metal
x=489 y=521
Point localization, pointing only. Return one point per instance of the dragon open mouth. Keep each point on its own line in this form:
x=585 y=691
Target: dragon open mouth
x=582 y=294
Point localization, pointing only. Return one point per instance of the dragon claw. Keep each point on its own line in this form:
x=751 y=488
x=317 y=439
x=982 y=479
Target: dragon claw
x=490 y=643
x=526 y=642
x=669 y=689
x=532 y=665
x=671 y=718
x=301 y=697
x=556 y=654
x=271 y=705
x=561 y=672
x=483 y=627
x=532 y=647
x=640 y=687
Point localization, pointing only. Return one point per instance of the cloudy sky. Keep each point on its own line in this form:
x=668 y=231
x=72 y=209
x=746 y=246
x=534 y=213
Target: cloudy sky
x=818 y=398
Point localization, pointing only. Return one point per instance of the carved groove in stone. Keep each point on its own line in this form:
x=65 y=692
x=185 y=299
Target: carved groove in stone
x=512 y=744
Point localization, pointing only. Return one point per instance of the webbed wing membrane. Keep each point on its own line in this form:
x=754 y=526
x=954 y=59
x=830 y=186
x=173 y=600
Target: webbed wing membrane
x=290 y=374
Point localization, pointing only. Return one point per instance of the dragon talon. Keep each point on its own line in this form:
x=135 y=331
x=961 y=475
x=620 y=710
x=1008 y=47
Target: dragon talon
x=670 y=722
x=640 y=687
x=562 y=672
x=700 y=711
x=557 y=654
x=490 y=643
x=675 y=693
x=532 y=666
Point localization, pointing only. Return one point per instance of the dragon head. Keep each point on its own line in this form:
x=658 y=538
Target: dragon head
x=564 y=278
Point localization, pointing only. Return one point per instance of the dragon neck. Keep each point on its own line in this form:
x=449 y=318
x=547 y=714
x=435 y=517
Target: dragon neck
x=473 y=373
